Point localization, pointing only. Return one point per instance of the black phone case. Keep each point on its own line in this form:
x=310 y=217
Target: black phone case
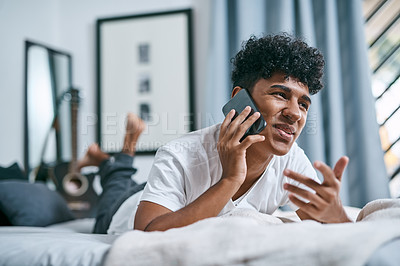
x=238 y=103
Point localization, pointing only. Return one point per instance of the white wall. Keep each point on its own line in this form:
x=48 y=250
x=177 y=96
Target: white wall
x=70 y=25
x=19 y=20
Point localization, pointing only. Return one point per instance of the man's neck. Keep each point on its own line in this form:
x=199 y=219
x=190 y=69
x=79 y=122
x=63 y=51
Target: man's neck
x=257 y=159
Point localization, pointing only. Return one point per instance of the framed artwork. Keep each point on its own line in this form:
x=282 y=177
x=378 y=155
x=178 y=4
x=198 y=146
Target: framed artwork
x=144 y=66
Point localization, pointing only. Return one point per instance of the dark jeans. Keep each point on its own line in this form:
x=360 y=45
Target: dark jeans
x=117 y=184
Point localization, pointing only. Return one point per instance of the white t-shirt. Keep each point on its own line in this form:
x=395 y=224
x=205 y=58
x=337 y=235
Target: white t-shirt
x=186 y=167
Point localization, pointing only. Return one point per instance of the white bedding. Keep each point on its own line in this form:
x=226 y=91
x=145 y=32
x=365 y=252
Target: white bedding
x=249 y=238
x=60 y=244
x=240 y=238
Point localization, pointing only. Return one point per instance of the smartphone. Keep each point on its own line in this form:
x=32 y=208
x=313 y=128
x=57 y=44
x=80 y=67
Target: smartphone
x=238 y=103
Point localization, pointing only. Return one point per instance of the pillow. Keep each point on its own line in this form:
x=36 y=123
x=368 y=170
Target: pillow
x=12 y=172
x=4 y=220
x=32 y=204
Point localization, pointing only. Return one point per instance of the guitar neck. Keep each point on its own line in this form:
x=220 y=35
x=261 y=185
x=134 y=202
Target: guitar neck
x=74 y=130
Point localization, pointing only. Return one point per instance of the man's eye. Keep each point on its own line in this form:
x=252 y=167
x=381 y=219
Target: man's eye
x=280 y=94
x=304 y=105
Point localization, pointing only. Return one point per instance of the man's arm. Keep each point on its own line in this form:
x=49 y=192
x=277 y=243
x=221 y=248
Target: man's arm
x=325 y=205
x=153 y=217
x=232 y=153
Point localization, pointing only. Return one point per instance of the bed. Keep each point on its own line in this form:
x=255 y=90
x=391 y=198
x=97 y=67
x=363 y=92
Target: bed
x=242 y=237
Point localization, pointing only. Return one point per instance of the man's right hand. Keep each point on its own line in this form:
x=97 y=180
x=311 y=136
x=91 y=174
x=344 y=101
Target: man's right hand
x=232 y=152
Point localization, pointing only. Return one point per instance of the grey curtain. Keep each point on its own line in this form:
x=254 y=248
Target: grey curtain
x=342 y=119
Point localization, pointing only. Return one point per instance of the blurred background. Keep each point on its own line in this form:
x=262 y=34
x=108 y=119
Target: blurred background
x=382 y=30
x=357 y=114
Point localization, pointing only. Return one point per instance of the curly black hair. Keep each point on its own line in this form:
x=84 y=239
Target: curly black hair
x=262 y=57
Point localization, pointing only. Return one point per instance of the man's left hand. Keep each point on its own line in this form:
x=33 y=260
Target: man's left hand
x=324 y=205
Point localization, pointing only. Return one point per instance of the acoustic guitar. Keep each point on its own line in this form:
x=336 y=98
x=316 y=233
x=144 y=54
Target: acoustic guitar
x=77 y=189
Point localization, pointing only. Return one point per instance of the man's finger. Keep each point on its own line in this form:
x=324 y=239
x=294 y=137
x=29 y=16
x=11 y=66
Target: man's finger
x=305 y=207
x=233 y=126
x=314 y=185
x=305 y=194
x=241 y=130
x=226 y=122
x=302 y=179
x=340 y=166
x=327 y=172
x=250 y=140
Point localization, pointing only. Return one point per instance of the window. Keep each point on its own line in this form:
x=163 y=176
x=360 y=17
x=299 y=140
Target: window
x=382 y=29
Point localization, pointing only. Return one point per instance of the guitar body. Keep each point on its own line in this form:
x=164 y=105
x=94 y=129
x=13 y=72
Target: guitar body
x=77 y=190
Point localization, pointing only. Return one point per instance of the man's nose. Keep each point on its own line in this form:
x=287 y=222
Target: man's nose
x=292 y=111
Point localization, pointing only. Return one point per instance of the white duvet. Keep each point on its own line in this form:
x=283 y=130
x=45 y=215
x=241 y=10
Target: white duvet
x=250 y=238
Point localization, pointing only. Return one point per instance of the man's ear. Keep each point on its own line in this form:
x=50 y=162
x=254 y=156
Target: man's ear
x=235 y=90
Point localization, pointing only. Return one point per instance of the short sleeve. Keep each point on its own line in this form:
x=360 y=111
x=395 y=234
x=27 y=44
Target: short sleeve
x=165 y=185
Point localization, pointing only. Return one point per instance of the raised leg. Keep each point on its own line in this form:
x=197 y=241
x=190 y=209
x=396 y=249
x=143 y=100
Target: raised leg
x=116 y=173
x=95 y=156
x=134 y=127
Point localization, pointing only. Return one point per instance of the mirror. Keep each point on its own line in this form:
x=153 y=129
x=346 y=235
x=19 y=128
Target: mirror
x=51 y=111
x=48 y=79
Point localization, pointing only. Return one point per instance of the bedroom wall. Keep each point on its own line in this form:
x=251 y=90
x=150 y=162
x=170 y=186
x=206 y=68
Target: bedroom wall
x=19 y=20
x=70 y=25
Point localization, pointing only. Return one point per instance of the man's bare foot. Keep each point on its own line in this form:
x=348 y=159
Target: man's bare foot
x=93 y=157
x=134 y=127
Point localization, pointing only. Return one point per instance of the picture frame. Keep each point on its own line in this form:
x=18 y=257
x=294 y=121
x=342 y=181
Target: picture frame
x=145 y=66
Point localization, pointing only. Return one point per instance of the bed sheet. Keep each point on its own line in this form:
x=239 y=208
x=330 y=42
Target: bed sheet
x=60 y=244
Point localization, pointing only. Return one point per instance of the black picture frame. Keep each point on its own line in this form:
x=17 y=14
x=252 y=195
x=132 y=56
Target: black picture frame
x=145 y=65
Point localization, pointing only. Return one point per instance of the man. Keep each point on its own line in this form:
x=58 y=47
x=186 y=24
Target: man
x=210 y=172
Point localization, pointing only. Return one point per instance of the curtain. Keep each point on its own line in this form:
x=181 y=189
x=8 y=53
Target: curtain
x=341 y=120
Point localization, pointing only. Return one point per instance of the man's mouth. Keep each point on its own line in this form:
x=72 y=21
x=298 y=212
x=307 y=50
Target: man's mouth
x=285 y=128
x=285 y=131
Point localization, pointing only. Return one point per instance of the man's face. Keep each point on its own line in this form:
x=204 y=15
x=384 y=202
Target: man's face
x=283 y=102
